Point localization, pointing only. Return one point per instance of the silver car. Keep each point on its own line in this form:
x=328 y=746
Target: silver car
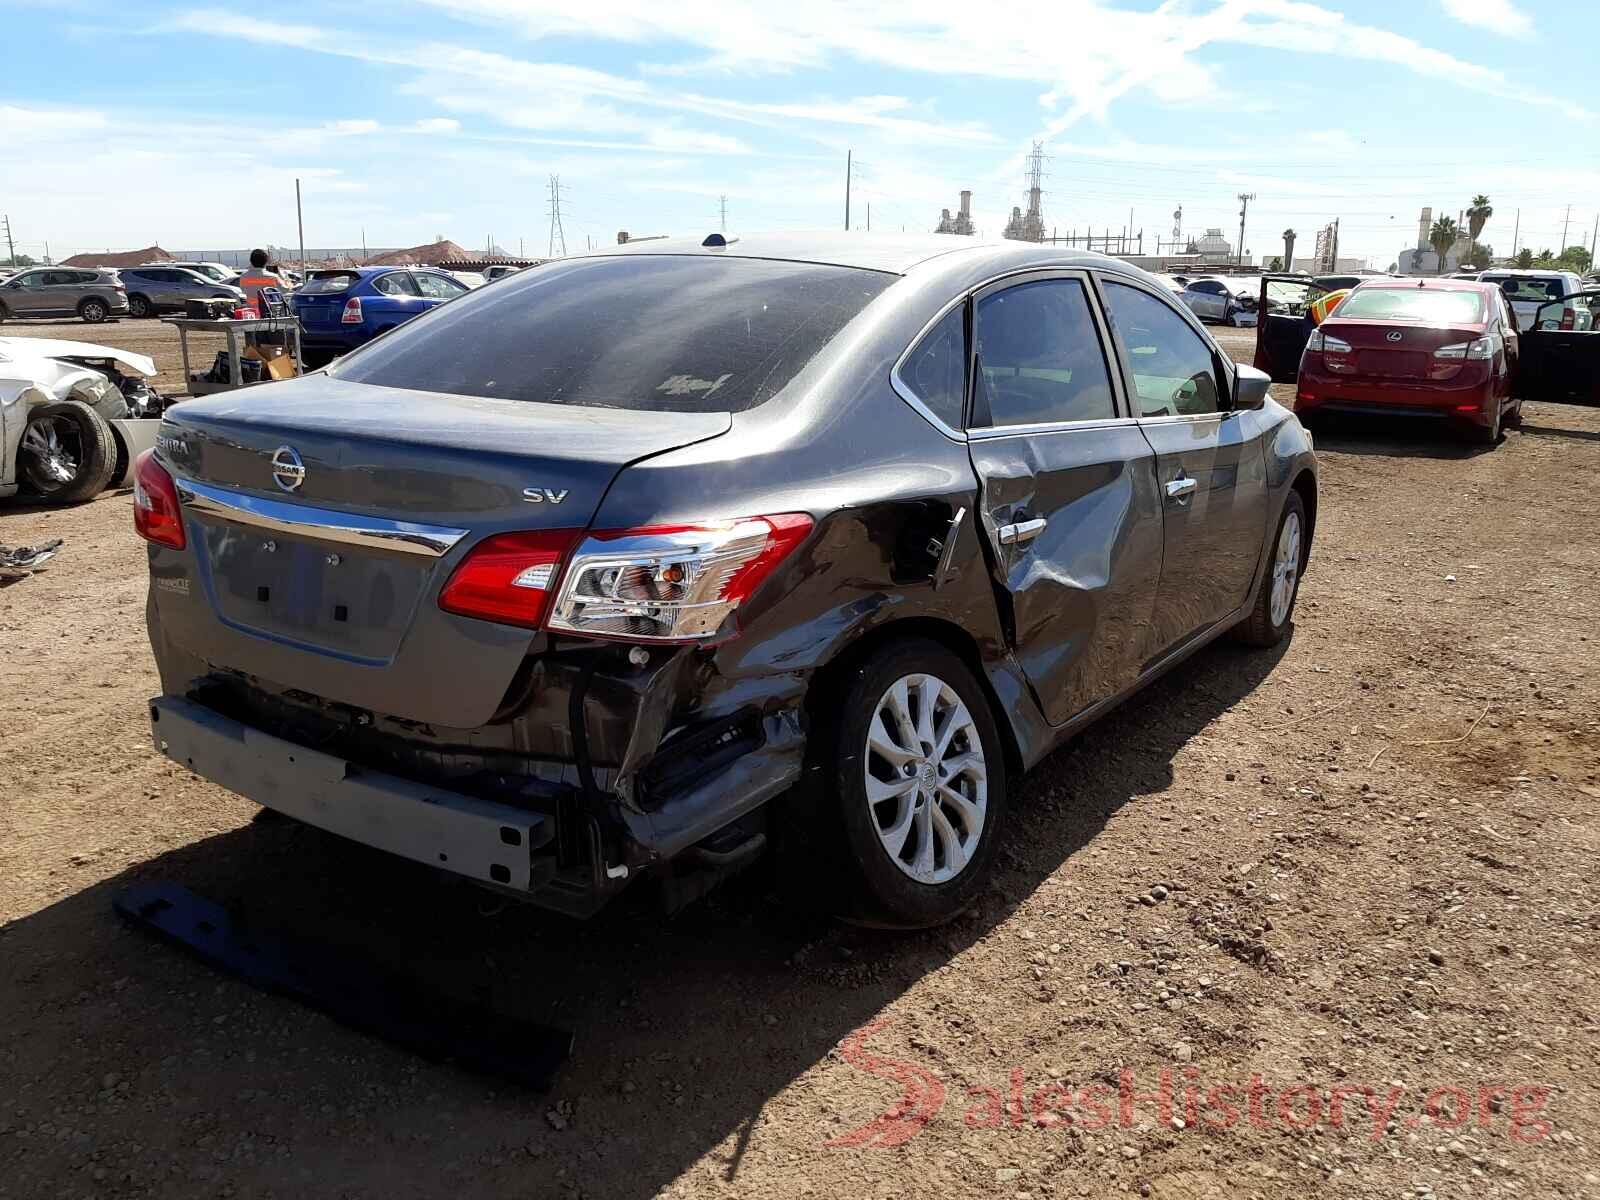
x=152 y=290
x=89 y=293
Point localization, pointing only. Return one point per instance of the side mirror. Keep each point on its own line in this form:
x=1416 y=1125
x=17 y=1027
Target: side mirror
x=1250 y=388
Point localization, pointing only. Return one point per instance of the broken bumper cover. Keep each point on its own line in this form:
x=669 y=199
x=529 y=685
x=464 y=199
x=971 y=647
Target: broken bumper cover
x=487 y=842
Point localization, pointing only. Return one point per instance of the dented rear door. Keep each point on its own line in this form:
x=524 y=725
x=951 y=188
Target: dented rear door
x=1068 y=491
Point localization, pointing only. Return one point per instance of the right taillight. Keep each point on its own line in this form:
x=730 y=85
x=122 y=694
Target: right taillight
x=1569 y=319
x=678 y=583
x=352 y=311
x=156 y=515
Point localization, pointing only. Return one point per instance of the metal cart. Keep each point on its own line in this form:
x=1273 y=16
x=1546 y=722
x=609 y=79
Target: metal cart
x=233 y=331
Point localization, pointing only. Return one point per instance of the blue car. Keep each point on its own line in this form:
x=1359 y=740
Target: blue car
x=346 y=307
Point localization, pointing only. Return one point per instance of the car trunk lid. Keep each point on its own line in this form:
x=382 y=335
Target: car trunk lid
x=1392 y=349
x=324 y=516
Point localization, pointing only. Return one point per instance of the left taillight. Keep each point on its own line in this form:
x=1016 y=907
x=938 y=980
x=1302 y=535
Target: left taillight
x=156 y=515
x=508 y=577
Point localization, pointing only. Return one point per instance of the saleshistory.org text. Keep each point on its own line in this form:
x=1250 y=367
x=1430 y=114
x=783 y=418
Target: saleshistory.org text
x=1181 y=1098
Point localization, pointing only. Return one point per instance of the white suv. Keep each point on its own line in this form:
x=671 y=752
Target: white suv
x=1528 y=291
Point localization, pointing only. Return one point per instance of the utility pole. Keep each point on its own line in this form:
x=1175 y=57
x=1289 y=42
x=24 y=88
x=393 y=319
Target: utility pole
x=1244 y=207
x=869 y=216
x=300 y=220
x=1516 y=228
x=1333 y=264
x=557 y=233
x=849 y=167
x=724 y=208
x=9 y=243
x=1565 y=221
x=363 y=245
x=1593 y=238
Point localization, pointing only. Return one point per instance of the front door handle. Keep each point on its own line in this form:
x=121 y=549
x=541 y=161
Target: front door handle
x=1022 y=531
x=1178 y=489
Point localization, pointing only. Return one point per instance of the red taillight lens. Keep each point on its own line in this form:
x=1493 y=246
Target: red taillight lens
x=508 y=577
x=156 y=515
x=352 y=311
x=1569 y=319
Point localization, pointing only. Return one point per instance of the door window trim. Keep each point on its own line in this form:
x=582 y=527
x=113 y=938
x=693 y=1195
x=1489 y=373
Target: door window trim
x=1221 y=363
x=909 y=394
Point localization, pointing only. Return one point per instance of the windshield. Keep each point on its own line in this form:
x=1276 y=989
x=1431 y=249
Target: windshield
x=324 y=283
x=1433 y=306
x=1527 y=289
x=662 y=332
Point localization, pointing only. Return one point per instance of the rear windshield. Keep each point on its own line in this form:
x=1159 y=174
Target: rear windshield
x=1521 y=287
x=332 y=281
x=661 y=332
x=1433 y=305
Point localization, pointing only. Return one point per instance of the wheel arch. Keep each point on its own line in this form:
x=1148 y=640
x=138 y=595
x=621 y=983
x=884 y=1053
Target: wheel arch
x=1305 y=483
x=828 y=678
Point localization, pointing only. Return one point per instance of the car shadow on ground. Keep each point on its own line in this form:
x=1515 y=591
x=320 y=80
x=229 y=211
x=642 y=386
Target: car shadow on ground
x=1582 y=435
x=1394 y=437
x=686 y=1027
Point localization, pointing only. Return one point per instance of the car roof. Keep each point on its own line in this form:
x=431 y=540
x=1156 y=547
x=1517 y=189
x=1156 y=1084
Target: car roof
x=894 y=253
x=1534 y=272
x=1436 y=283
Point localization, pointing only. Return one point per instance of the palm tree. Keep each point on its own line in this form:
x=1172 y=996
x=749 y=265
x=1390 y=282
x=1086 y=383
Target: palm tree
x=1444 y=234
x=1477 y=217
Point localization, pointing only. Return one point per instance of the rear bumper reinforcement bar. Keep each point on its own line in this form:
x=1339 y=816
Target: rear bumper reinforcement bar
x=488 y=842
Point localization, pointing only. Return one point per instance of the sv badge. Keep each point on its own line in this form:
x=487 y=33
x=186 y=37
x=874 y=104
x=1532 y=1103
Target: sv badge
x=544 y=495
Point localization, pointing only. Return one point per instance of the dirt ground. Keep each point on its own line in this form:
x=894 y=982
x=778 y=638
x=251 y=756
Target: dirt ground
x=1365 y=860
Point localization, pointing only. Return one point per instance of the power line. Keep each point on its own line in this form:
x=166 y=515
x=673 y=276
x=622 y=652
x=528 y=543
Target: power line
x=558 y=235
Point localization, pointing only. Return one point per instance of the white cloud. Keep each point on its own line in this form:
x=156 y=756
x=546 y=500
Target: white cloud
x=437 y=125
x=1497 y=16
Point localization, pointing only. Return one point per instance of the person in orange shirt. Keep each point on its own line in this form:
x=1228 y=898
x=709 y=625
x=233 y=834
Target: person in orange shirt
x=256 y=278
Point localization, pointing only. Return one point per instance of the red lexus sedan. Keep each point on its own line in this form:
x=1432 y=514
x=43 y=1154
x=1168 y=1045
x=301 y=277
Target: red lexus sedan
x=1441 y=348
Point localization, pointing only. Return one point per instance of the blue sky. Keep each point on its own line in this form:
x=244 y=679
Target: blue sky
x=187 y=124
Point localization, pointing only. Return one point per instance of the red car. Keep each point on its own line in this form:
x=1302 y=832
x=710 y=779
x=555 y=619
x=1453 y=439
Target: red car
x=1444 y=348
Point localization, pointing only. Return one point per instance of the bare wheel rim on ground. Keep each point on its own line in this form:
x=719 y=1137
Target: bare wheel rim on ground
x=926 y=778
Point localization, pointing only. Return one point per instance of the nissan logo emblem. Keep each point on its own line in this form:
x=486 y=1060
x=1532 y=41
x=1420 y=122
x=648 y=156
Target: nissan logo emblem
x=287 y=469
x=1395 y=335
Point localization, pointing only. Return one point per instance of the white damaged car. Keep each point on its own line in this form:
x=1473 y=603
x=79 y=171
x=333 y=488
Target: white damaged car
x=73 y=415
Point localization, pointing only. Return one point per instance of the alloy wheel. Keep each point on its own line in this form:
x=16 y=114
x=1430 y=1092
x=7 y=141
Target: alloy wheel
x=926 y=778
x=51 y=443
x=1285 y=567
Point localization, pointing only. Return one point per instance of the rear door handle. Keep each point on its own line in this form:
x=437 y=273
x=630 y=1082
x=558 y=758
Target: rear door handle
x=1022 y=531
x=1177 y=489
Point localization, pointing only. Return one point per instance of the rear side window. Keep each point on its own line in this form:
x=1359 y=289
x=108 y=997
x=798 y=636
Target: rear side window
x=936 y=371
x=440 y=287
x=1038 y=357
x=661 y=332
x=329 y=284
x=396 y=283
x=1172 y=368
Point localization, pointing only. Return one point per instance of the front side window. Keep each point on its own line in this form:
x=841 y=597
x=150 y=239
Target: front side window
x=936 y=371
x=1173 y=370
x=1039 y=357
x=665 y=332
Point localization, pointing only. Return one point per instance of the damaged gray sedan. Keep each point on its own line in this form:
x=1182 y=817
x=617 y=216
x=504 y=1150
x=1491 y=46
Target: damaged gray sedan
x=638 y=564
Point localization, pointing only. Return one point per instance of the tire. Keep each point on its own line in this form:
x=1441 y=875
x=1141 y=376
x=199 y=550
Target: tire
x=93 y=310
x=140 y=306
x=896 y=857
x=1488 y=435
x=1269 y=619
x=67 y=454
x=1513 y=417
x=3 y=313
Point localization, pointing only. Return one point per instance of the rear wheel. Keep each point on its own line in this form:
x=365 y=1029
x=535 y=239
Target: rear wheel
x=1488 y=435
x=140 y=306
x=1513 y=417
x=918 y=781
x=1280 y=583
x=67 y=453
x=93 y=311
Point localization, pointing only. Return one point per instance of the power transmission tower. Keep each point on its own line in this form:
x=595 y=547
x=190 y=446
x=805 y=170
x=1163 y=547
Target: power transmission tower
x=1244 y=205
x=558 y=235
x=724 y=208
